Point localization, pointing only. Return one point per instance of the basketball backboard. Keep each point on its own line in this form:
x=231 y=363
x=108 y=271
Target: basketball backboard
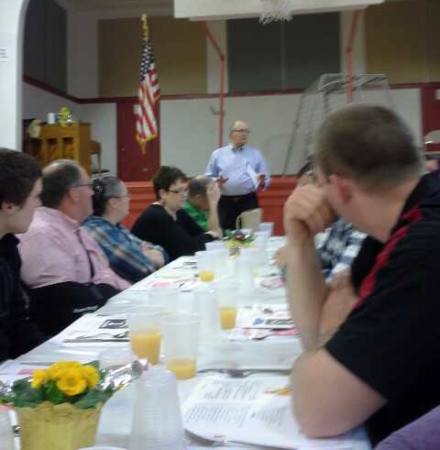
x=230 y=9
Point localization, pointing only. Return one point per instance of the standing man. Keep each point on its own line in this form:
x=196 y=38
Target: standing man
x=20 y=187
x=371 y=339
x=241 y=171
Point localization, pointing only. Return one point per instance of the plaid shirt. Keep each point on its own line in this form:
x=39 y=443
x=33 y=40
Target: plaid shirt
x=338 y=246
x=122 y=248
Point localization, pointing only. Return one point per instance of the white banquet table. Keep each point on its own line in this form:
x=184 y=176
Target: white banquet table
x=222 y=352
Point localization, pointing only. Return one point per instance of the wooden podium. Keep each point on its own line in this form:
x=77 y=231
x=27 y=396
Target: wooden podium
x=66 y=142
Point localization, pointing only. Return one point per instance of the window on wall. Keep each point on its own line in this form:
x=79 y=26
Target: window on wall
x=45 y=43
x=282 y=55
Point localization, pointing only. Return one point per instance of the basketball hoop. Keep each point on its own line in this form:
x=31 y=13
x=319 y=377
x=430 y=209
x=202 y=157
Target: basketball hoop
x=275 y=10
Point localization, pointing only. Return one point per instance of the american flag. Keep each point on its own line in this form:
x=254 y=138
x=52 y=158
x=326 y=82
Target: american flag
x=148 y=94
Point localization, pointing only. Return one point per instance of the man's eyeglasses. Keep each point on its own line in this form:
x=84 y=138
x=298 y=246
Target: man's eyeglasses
x=242 y=130
x=179 y=191
x=90 y=185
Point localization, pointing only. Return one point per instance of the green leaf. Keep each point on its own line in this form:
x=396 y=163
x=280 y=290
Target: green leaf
x=53 y=394
x=93 y=397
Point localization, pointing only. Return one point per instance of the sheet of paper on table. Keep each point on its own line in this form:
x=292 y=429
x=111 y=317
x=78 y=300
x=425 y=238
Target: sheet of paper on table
x=249 y=411
x=92 y=328
x=265 y=316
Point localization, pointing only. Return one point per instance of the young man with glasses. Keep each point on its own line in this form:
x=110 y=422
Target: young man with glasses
x=66 y=272
x=241 y=171
x=165 y=223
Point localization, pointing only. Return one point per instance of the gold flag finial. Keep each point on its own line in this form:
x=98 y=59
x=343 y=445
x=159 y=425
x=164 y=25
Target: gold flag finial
x=144 y=19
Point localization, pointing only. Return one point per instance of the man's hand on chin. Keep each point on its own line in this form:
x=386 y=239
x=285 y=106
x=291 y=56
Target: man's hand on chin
x=306 y=213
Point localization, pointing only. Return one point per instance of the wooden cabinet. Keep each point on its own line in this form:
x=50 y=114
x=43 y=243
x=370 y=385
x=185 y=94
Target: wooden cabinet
x=66 y=142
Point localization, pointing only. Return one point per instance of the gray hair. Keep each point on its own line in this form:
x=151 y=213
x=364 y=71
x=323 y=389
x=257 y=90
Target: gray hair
x=103 y=190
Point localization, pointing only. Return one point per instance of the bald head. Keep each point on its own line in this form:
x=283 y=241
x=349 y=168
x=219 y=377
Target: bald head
x=239 y=133
x=58 y=177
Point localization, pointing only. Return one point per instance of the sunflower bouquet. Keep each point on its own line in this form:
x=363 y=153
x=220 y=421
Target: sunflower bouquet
x=58 y=408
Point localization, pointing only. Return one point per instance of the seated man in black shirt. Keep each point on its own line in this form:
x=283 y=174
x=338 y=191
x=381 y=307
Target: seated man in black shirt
x=20 y=187
x=165 y=223
x=371 y=338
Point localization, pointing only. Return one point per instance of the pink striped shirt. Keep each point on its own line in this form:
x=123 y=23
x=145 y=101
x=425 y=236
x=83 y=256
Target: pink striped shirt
x=52 y=252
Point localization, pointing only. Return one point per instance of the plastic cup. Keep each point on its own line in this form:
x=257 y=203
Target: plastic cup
x=266 y=226
x=112 y=358
x=206 y=307
x=206 y=263
x=227 y=300
x=245 y=268
x=166 y=297
x=145 y=334
x=181 y=344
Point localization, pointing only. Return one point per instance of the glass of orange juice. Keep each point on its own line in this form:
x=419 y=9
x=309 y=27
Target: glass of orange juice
x=227 y=300
x=181 y=343
x=145 y=333
x=206 y=265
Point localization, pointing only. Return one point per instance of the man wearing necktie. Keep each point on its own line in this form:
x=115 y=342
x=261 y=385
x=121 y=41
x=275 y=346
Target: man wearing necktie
x=241 y=171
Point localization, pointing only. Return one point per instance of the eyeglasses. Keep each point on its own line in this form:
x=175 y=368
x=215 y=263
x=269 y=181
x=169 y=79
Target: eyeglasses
x=90 y=185
x=178 y=191
x=242 y=130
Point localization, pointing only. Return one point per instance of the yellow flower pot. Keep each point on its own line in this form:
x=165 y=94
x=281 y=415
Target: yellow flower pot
x=57 y=427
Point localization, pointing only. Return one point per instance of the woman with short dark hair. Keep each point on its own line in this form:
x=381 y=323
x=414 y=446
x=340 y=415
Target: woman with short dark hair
x=129 y=256
x=165 y=222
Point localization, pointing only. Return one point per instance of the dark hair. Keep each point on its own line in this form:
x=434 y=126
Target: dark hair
x=103 y=190
x=198 y=185
x=370 y=144
x=18 y=175
x=165 y=177
x=58 y=177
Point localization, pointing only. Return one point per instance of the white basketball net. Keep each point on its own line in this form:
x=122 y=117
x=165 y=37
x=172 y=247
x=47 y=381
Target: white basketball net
x=273 y=10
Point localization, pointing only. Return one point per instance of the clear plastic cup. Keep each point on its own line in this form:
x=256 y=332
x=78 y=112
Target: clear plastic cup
x=206 y=264
x=145 y=333
x=166 y=297
x=157 y=421
x=114 y=357
x=227 y=300
x=205 y=305
x=266 y=226
x=181 y=344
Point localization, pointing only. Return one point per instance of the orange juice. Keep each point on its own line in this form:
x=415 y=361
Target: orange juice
x=146 y=345
x=183 y=368
x=228 y=314
x=206 y=275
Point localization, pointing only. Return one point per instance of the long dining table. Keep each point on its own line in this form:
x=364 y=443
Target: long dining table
x=230 y=354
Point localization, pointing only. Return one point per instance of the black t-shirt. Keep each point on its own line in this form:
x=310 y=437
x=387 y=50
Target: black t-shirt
x=17 y=333
x=178 y=237
x=391 y=339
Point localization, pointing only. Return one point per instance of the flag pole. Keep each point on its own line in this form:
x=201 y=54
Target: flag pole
x=148 y=91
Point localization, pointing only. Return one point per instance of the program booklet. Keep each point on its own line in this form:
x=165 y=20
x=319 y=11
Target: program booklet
x=256 y=411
